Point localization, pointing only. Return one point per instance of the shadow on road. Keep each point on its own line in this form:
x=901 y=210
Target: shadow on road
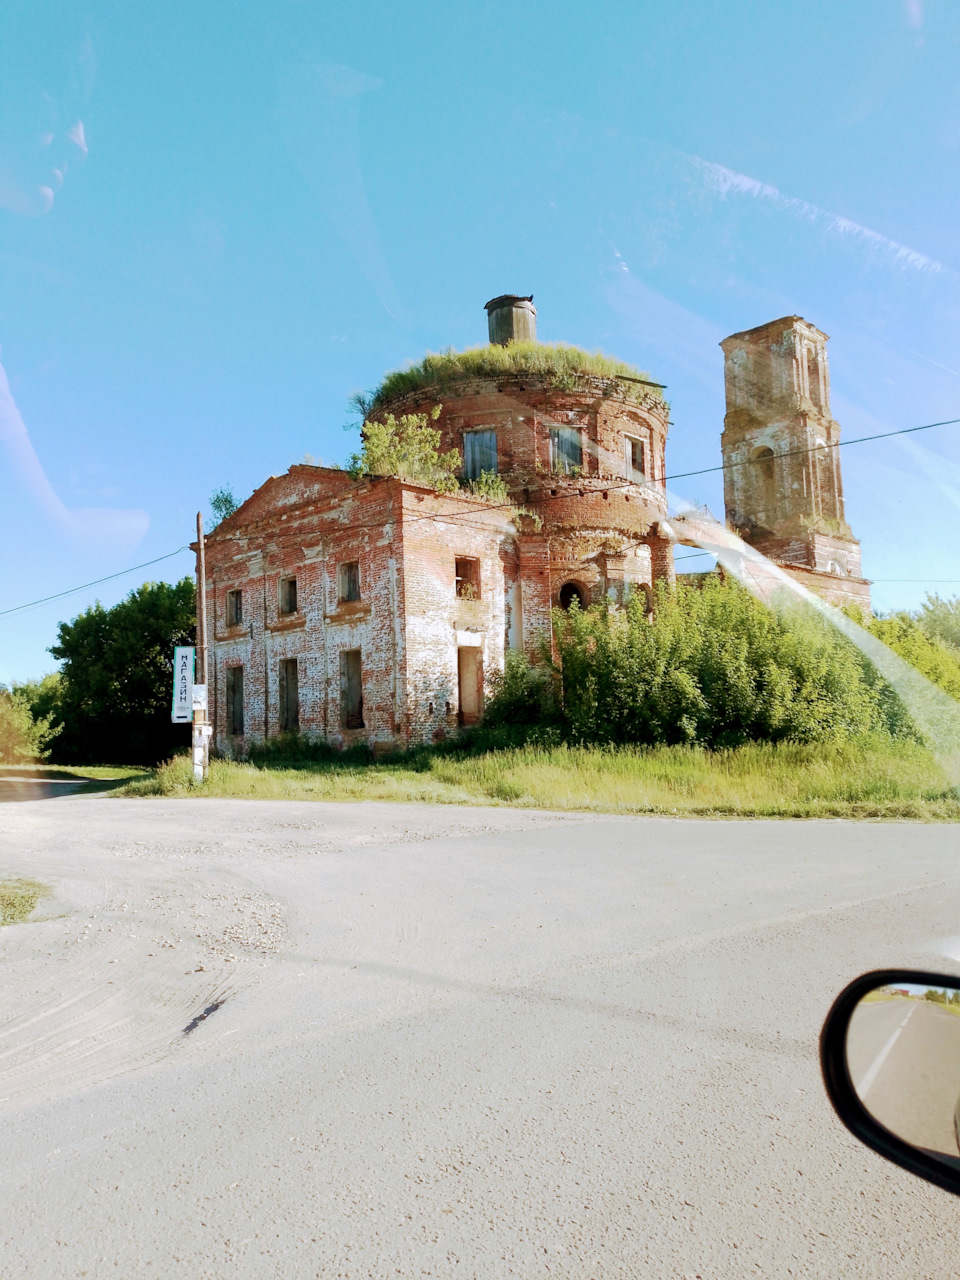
x=48 y=784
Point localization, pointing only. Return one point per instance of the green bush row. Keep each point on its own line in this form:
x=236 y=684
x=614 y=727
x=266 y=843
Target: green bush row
x=713 y=667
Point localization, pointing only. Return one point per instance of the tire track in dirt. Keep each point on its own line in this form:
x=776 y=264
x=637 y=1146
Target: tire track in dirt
x=136 y=957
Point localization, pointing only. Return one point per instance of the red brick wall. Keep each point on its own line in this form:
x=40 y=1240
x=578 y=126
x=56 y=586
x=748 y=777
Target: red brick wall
x=436 y=530
x=523 y=409
x=405 y=540
x=409 y=622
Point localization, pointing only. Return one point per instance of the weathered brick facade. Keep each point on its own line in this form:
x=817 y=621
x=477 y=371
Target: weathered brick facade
x=412 y=622
x=783 y=490
x=407 y=625
x=377 y=610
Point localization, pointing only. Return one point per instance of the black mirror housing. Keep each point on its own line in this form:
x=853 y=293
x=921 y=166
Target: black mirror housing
x=942 y=1169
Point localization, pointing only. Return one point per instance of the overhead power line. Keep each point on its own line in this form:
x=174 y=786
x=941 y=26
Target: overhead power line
x=488 y=507
x=839 y=444
x=83 y=586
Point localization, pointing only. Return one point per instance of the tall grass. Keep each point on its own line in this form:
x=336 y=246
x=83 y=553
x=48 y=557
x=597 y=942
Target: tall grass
x=561 y=364
x=878 y=777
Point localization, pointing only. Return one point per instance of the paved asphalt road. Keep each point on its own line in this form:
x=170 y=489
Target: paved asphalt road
x=292 y=1040
x=904 y=1058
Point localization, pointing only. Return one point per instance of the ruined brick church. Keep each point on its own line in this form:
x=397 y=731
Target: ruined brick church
x=376 y=609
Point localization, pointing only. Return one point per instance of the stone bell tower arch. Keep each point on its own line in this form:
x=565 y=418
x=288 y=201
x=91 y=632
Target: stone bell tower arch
x=783 y=490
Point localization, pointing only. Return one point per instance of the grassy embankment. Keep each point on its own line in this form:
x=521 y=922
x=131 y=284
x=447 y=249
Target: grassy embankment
x=878 y=778
x=18 y=899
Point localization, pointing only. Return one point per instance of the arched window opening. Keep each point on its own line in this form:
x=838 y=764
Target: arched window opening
x=813 y=376
x=764 y=465
x=571 y=591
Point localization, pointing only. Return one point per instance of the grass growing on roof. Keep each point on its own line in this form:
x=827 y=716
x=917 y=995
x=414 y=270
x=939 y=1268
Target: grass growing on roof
x=18 y=898
x=879 y=777
x=561 y=364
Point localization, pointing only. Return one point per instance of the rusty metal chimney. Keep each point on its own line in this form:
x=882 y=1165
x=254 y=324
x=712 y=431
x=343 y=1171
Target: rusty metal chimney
x=511 y=319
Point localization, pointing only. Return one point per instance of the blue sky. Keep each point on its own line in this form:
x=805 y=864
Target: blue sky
x=270 y=205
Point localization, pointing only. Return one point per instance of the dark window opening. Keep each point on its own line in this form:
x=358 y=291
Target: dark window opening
x=234 y=699
x=571 y=592
x=234 y=608
x=633 y=449
x=288 y=595
x=813 y=377
x=479 y=453
x=348 y=582
x=763 y=460
x=566 y=450
x=289 y=709
x=470 y=680
x=351 y=689
x=468 y=579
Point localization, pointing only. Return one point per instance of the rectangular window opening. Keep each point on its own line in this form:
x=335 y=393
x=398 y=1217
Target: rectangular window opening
x=566 y=450
x=289 y=710
x=633 y=450
x=348 y=582
x=288 y=595
x=468 y=578
x=479 y=452
x=470 y=682
x=234 y=684
x=351 y=689
x=234 y=608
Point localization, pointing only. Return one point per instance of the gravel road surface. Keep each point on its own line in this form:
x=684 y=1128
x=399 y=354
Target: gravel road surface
x=255 y=1039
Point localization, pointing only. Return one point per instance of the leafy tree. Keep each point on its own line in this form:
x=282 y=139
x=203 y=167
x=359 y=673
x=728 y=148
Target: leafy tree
x=908 y=637
x=22 y=736
x=116 y=681
x=223 y=503
x=407 y=447
x=940 y=619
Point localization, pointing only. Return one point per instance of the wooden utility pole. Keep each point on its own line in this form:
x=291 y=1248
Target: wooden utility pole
x=202 y=729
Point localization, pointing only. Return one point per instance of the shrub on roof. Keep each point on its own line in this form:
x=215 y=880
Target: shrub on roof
x=407 y=447
x=561 y=364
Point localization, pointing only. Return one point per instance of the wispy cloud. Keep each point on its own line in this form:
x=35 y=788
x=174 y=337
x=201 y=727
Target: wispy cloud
x=666 y=329
x=914 y=12
x=726 y=181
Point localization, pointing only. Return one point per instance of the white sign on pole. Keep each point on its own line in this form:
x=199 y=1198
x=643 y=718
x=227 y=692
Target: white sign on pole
x=183 y=661
x=200 y=697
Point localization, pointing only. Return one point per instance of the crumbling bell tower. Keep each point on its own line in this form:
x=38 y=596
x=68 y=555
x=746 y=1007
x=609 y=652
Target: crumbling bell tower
x=782 y=487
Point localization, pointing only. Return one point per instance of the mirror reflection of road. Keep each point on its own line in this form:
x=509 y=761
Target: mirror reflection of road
x=904 y=1059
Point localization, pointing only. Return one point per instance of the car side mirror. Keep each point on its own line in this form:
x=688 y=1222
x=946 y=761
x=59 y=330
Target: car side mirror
x=890 y=1056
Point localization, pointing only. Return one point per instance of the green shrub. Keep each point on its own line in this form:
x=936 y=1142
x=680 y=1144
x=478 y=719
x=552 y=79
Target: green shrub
x=488 y=485
x=714 y=667
x=933 y=658
x=524 y=707
x=296 y=748
x=407 y=447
